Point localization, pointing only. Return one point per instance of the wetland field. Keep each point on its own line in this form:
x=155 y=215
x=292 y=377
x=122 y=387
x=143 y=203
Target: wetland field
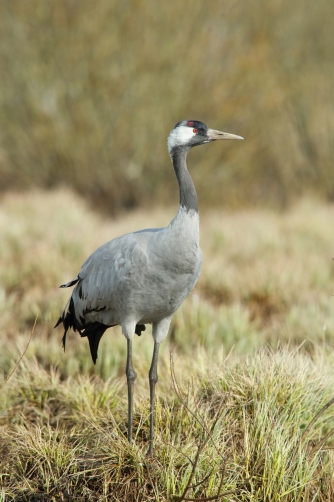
x=245 y=372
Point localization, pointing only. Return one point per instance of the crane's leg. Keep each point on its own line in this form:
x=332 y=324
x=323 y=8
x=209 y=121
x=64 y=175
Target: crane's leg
x=153 y=378
x=131 y=377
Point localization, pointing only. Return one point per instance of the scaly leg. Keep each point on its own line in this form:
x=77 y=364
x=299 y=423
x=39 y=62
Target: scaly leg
x=153 y=378
x=131 y=377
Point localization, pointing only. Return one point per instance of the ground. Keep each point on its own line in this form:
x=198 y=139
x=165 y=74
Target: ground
x=244 y=375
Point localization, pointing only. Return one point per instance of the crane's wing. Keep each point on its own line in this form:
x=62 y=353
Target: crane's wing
x=108 y=273
x=105 y=278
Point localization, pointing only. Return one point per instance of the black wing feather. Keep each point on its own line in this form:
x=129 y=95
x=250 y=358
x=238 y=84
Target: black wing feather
x=94 y=330
x=94 y=333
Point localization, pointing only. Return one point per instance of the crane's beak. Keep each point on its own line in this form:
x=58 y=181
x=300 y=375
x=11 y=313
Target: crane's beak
x=213 y=135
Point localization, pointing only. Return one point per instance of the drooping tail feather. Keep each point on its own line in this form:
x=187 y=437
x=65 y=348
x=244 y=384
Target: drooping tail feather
x=93 y=331
x=69 y=320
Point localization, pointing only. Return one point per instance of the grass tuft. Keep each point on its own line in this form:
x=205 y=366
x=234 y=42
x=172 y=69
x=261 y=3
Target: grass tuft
x=246 y=419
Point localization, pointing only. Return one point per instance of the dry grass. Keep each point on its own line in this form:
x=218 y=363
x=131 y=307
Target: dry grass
x=251 y=364
x=68 y=438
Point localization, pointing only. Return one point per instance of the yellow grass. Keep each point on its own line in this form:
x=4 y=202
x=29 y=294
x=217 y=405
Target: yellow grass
x=252 y=349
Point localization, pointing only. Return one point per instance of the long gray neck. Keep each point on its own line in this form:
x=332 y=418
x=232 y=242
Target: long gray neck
x=188 y=195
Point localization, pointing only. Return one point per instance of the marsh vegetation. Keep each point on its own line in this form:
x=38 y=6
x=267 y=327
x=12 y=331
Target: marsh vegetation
x=254 y=341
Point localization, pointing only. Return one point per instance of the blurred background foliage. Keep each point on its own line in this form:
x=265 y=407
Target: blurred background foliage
x=90 y=90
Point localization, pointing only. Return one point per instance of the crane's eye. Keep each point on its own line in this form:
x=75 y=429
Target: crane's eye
x=195 y=131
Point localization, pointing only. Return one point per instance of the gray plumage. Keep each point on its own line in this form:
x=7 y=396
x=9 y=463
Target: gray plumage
x=143 y=277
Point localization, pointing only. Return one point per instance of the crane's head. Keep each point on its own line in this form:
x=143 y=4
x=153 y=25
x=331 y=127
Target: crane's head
x=189 y=133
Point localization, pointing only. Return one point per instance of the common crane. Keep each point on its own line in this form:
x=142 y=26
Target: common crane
x=143 y=277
